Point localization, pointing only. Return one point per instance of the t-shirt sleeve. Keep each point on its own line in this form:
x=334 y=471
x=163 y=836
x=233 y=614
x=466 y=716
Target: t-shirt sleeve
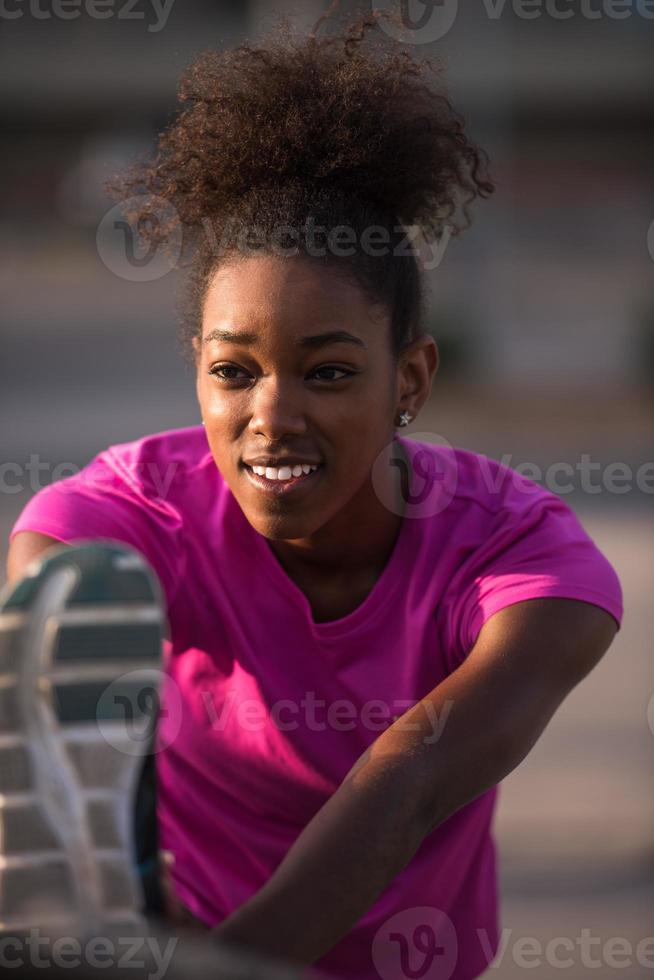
x=104 y=500
x=545 y=551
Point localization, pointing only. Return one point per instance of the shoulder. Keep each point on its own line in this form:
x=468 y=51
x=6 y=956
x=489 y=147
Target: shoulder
x=138 y=492
x=500 y=538
x=494 y=509
x=468 y=486
x=168 y=474
x=160 y=464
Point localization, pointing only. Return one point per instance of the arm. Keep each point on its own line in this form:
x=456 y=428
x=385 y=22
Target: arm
x=23 y=549
x=527 y=658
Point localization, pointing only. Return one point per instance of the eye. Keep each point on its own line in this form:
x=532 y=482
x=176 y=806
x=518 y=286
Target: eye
x=333 y=367
x=217 y=370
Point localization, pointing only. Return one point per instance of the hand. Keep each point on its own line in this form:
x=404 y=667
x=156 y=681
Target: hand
x=175 y=912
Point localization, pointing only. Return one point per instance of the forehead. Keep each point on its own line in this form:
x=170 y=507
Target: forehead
x=269 y=291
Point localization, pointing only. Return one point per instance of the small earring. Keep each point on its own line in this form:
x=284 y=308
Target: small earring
x=405 y=418
x=202 y=421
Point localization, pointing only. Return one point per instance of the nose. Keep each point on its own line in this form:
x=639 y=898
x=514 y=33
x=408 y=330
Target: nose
x=277 y=410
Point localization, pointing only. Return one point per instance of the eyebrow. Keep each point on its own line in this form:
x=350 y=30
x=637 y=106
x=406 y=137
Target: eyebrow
x=312 y=341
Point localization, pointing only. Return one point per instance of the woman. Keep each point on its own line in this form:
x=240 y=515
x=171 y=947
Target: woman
x=367 y=632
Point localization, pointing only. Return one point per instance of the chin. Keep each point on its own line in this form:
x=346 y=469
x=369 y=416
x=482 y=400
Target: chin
x=276 y=521
x=281 y=527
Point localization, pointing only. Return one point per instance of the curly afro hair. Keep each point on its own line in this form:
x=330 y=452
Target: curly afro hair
x=279 y=145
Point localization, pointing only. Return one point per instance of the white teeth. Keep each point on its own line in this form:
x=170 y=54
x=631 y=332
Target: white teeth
x=283 y=472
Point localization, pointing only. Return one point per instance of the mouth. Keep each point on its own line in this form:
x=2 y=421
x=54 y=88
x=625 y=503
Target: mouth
x=281 y=487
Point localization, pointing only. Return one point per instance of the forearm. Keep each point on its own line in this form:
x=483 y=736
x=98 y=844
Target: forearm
x=365 y=834
x=347 y=855
x=464 y=737
x=434 y=759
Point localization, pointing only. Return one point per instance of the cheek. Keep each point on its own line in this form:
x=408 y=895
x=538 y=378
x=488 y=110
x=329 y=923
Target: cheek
x=369 y=419
x=365 y=408
x=217 y=410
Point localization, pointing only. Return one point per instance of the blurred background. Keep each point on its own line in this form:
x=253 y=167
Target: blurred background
x=543 y=311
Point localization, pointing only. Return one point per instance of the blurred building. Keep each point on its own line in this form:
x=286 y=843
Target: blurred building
x=552 y=281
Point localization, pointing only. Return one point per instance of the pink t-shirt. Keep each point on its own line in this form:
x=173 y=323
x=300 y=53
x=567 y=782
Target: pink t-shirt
x=268 y=710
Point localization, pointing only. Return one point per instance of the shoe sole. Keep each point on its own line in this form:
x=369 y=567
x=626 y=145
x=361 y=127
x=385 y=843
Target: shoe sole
x=80 y=669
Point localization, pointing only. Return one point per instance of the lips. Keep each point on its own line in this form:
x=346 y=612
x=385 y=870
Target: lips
x=282 y=487
x=279 y=461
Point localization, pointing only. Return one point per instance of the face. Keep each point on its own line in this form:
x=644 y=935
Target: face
x=295 y=367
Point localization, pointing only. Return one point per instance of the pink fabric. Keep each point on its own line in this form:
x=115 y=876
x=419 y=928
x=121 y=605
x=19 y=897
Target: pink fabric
x=248 y=751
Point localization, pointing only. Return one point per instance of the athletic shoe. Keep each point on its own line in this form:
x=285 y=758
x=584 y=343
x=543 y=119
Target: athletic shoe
x=80 y=667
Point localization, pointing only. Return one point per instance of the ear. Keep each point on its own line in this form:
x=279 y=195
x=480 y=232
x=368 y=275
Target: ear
x=418 y=364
